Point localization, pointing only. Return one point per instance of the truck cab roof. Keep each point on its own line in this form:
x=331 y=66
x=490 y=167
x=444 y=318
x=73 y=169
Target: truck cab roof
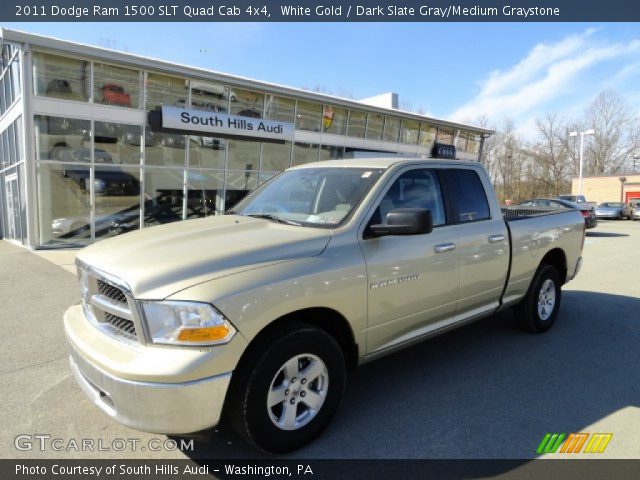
x=381 y=162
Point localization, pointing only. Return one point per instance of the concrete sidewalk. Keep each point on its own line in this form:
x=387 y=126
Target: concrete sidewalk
x=64 y=257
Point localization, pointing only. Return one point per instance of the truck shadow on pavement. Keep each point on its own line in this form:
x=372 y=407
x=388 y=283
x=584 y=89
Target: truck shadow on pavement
x=606 y=234
x=487 y=390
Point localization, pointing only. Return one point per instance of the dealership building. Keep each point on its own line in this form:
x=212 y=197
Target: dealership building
x=94 y=142
x=609 y=188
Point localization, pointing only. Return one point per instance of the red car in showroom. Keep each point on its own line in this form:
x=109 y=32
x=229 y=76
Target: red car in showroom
x=115 y=95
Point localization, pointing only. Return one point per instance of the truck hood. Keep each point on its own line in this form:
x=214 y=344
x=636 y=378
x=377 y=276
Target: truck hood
x=160 y=261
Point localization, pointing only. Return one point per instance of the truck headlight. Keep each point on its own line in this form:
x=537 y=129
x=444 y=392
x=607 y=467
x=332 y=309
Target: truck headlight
x=186 y=323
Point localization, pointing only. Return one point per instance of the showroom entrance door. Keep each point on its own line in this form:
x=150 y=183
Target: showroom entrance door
x=12 y=201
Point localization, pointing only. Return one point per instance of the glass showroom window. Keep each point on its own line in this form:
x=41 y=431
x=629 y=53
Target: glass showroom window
x=445 y=135
x=410 y=132
x=11 y=144
x=64 y=204
x=116 y=86
x=279 y=108
x=304 y=153
x=276 y=156
x=117 y=200
x=427 y=134
x=117 y=143
x=334 y=120
x=163 y=195
x=204 y=192
x=473 y=146
x=15 y=77
x=391 y=129
x=328 y=152
x=357 y=124
x=237 y=185
x=266 y=176
x=375 y=126
x=309 y=116
x=461 y=140
x=63 y=139
x=206 y=152
x=10 y=81
x=247 y=104
x=210 y=97
x=61 y=77
x=165 y=149
x=243 y=155
x=165 y=90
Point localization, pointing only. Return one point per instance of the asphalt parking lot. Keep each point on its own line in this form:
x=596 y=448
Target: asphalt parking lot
x=486 y=390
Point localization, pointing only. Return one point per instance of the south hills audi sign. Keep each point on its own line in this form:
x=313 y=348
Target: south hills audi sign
x=221 y=124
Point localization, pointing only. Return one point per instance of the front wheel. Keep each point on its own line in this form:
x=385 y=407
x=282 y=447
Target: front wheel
x=288 y=389
x=538 y=310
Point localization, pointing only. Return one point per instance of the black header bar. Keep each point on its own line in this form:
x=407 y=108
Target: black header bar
x=319 y=11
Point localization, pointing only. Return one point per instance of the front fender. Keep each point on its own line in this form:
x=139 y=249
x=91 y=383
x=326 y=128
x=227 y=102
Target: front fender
x=253 y=299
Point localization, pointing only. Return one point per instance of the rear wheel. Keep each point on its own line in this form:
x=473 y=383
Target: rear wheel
x=538 y=310
x=288 y=389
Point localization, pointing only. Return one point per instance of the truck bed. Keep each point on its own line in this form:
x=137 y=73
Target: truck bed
x=520 y=213
x=533 y=232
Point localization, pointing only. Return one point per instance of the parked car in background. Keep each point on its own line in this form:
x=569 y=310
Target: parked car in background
x=579 y=199
x=588 y=213
x=573 y=198
x=634 y=204
x=613 y=210
x=113 y=94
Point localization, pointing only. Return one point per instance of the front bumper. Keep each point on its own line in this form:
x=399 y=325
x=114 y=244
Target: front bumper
x=608 y=215
x=169 y=408
x=591 y=222
x=159 y=389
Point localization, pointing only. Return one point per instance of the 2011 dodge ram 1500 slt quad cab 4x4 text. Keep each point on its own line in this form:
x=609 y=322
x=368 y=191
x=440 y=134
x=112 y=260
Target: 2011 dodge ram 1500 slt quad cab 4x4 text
x=261 y=312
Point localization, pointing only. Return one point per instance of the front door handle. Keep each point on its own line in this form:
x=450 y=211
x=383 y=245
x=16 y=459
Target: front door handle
x=496 y=238
x=445 y=247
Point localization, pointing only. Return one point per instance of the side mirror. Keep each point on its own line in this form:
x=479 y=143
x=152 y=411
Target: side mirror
x=405 y=221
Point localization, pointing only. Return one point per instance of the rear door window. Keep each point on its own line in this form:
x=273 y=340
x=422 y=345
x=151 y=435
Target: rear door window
x=468 y=196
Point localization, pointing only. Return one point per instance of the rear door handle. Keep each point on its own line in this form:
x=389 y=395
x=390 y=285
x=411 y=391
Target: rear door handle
x=445 y=247
x=496 y=238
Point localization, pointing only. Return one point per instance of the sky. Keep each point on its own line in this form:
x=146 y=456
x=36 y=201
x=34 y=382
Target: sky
x=456 y=71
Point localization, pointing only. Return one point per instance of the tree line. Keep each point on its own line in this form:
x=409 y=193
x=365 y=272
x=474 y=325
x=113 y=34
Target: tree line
x=544 y=165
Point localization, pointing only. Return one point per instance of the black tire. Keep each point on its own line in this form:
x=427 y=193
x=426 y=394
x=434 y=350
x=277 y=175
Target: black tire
x=246 y=405
x=528 y=311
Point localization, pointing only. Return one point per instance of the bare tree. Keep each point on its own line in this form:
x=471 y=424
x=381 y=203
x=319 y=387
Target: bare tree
x=616 y=133
x=550 y=154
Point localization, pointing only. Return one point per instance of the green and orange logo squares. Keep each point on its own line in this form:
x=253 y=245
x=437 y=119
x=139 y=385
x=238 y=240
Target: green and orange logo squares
x=574 y=442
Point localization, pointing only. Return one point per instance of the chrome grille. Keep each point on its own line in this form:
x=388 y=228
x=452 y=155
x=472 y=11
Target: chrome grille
x=125 y=326
x=112 y=292
x=108 y=304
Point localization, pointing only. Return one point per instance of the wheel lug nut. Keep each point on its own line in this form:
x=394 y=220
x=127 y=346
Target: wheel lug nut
x=303 y=393
x=293 y=400
x=287 y=392
x=293 y=380
x=303 y=381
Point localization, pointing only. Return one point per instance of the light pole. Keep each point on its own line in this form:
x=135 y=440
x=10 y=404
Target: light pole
x=635 y=157
x=622 y=180
x=582 y=134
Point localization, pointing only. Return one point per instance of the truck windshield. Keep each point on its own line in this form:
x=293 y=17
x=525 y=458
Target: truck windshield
x=314 y=197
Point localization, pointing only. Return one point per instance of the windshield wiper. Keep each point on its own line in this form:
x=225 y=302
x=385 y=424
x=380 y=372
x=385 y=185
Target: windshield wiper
x=268 y=216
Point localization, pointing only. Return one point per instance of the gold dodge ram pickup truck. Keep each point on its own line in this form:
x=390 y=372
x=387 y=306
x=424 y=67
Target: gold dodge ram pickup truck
x=261 y=312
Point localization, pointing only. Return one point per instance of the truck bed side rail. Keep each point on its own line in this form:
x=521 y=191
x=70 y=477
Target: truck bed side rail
x=519 y=213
